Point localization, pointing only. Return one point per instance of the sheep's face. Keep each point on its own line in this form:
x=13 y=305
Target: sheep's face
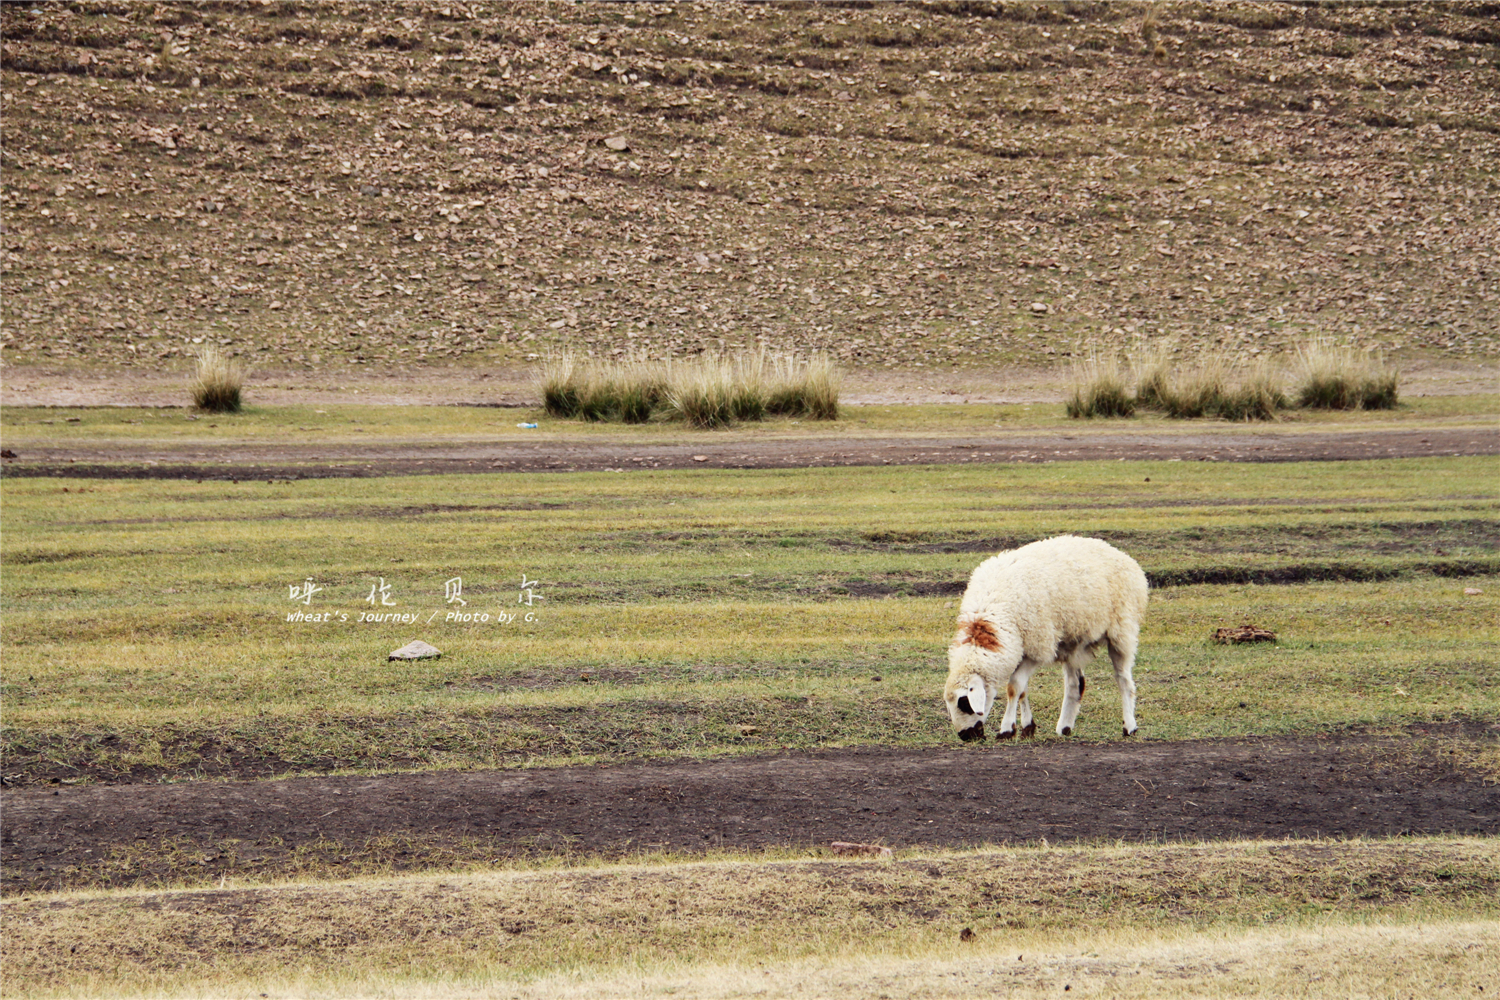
x=969 y=703
x=972 y=657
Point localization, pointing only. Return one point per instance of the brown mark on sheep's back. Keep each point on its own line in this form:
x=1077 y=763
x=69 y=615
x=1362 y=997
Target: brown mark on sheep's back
x=980 y=633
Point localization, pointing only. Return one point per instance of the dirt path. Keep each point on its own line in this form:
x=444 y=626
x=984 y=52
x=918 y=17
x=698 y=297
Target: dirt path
x=967 y=795
x=325 y=460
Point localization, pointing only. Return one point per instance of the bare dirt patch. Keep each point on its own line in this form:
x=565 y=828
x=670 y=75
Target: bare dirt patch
x=326 y=460
x=1049 y=790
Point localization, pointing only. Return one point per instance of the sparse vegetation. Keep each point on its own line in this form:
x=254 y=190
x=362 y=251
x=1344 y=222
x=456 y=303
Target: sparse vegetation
x=1171 y=921
x=764 y=137
x=803 y=389
x=1340 y=377
x=713 y=390
x=219 y=383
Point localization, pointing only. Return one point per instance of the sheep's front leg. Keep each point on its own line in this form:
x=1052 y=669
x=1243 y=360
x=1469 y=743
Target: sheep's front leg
x=1122 y=654
x=1016 y=703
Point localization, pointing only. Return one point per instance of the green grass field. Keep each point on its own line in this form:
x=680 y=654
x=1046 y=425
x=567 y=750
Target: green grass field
x=147 y=621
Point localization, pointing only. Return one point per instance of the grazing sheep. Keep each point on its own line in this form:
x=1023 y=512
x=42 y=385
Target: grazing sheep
x=1053 y=601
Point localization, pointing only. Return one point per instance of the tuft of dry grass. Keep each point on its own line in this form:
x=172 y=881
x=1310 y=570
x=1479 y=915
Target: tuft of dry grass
x=1149 y=23
x=1195 y=391
x=1254 y=394
x=1210 y=387
x=219 y=383
x=712 y=390
x=804 y=388
x=1340 y=377
x=560 y=390
x=704 y=392
x=629 y=391
x=1099 y=390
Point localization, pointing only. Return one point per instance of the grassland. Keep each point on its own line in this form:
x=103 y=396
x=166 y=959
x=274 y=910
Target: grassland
x=455 y=189
x=147 y=622
x=705 y=613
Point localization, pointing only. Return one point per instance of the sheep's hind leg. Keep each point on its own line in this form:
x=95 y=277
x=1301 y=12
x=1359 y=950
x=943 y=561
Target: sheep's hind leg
x=1122 y=653
x=1073 y=685
x=1016 y=703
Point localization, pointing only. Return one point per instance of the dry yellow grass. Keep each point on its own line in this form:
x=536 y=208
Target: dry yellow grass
x=710 y=390
x=1310 y=918
x=220 y=381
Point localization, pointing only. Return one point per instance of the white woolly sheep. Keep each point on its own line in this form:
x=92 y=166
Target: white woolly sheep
x=1053 y=601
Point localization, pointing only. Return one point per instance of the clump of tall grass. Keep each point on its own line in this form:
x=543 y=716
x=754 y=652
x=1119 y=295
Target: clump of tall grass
x=1339 y=377
x=628 y=391
x=1328 y=376
x=560 y=389
x=1255 y=394
x=1208 y=387
x=704 y=392
x=219 y=383
x=1099 y=390
x=803 y=388
x=709 y=391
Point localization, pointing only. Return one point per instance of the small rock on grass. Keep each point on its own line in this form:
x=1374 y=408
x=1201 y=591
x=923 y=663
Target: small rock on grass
x=845 y=849
x=1244 y=633
x=415 y=650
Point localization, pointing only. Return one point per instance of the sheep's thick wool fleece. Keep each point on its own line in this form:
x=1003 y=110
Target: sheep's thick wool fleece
x=1059 y=590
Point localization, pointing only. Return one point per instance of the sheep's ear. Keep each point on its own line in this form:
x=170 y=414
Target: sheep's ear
x=976 y=695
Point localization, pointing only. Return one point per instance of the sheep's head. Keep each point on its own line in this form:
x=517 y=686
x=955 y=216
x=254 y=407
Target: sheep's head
x=967 y=694
x=968 y=705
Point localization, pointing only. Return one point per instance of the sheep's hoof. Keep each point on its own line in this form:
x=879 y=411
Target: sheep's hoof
x=1028 y=732
x=1130 y=732
x=1065 y=731
x=974 y=732
x=1009 y=734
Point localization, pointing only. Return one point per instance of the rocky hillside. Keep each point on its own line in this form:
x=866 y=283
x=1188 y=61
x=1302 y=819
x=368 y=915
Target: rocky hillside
x=936 y=184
